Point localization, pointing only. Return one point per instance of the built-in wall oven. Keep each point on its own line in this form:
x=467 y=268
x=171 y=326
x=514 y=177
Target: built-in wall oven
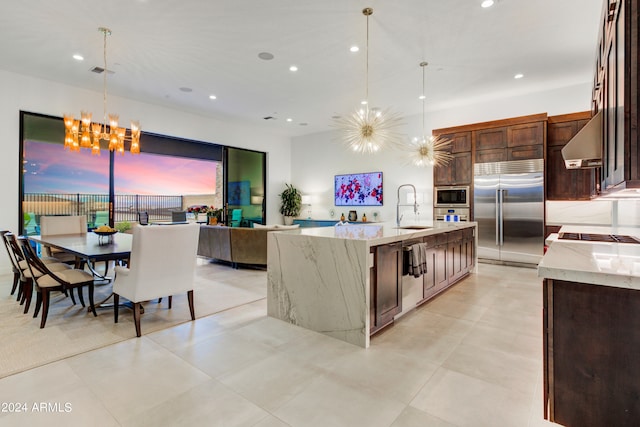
x=451 y=203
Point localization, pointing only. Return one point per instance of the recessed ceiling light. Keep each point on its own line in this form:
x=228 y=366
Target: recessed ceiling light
x=78 y=57
x=186 y=89
x=518 y=76
x=421 y=97
x=354 y=48
x=293 y=68
x=213 y=97
x=364 y=102
x=266 y=56
x=487 y=3
x=289 y=119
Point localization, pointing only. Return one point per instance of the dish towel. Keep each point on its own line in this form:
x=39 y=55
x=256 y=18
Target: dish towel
x=418 y=259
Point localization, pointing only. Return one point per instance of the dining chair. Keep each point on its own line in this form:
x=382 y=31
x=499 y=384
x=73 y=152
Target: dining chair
x=162 y=263
x=178 y=216
x=102 y=218
x=14 y=265
x=56 y=225
x=30 y=225
x=19 y=265
x=236 y=217
x=143 y=218
x=47 y=281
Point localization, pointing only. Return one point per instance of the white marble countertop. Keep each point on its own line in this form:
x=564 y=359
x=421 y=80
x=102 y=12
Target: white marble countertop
x=380 y=233
x=597 y=263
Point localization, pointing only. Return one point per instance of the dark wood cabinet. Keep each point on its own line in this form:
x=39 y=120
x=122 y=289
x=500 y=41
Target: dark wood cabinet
x=454 y=256
x=468 y=249
x=490 y=145
x=522 y=141
x=440 y=255
x=491 y=139
x=518 y=138
x=591 y=336
x=525 y=152
x=429 y=288
x=615 y=93
x=386 y=285
x=563 y=183
x=459 y=170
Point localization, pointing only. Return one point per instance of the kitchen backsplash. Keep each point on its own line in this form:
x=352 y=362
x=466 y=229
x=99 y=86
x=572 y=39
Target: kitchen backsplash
x=595 y=212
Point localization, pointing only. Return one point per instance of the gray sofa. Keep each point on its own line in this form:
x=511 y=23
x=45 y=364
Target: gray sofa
x=237 y=245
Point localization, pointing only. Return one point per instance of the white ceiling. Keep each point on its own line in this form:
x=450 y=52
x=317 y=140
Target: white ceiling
x=212 y=46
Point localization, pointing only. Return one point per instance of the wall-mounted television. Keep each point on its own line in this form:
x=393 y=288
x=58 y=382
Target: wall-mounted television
x=358 y=189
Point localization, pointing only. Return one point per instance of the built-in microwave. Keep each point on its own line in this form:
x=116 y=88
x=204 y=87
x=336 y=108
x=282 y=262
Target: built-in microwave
x=451 y=197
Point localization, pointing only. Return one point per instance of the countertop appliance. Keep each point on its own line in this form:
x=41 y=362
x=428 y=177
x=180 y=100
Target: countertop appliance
x=451 y=202
x=592 y=237
x=451 y=197
x=509 y=209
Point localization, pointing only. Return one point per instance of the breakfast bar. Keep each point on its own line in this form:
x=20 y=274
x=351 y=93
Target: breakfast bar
x=347 y=281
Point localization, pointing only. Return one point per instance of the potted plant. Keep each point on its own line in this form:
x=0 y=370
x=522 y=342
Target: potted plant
x=123 y=227
x=214 y=215
x=291 y=203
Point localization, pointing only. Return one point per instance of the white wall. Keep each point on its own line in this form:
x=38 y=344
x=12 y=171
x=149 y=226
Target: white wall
x=46 y=97
x=318 y=157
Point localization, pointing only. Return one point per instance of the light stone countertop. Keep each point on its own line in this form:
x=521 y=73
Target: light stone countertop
x=597 y=263
x=380 y=233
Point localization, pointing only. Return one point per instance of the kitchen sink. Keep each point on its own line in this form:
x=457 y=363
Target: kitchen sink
x=414 y=227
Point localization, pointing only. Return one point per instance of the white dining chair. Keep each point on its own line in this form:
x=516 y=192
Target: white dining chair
x=58 y=225
x=162 y=264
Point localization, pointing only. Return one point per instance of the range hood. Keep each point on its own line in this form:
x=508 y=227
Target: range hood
x=584 y=150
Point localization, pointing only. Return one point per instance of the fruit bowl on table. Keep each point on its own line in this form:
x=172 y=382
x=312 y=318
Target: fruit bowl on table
x=105 y=233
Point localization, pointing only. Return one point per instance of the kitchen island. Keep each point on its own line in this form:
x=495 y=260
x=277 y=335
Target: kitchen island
x=346 y=281
x=591 y=327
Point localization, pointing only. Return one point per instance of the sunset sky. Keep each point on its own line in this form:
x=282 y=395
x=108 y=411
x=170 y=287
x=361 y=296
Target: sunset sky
x=51 y=169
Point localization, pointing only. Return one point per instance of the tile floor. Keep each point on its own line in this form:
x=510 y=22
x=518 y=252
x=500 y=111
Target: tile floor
x=471 y=357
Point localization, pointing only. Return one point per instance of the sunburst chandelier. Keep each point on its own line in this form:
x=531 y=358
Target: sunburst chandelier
x=84 y=133
x=368 y=130
x=428 y=150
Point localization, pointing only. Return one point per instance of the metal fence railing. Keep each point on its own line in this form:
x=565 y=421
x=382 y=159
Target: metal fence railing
x=96 y=207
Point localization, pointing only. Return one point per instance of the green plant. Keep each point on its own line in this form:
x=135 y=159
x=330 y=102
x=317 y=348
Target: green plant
x=291 y=201
x=123 y=226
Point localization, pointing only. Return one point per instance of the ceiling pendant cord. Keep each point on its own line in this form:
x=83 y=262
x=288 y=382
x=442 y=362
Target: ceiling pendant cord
x=424 y=96
x=367 y=12
x=105 y=32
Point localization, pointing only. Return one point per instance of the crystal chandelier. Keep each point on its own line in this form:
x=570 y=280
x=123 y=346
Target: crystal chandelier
x=423 y=150
x=84 y=133
x=368 y=130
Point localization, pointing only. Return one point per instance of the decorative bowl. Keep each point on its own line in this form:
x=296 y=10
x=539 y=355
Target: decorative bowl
x=105 y=233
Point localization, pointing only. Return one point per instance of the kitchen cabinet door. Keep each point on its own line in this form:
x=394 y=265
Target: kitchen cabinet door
x=429 y=278
x=527 y=134
x=386 y=285
x=591 y=367
x=454 y=256
x=468 y=247
x=441 y=279
x=491 y=139
x=459 y=170
x=525 y=152
x=490 y=156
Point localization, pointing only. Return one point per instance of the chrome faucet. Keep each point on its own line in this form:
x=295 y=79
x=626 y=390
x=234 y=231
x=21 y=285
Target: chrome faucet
x=415 y=203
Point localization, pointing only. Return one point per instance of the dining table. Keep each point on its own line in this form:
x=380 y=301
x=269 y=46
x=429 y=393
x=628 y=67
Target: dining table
x=90 y=247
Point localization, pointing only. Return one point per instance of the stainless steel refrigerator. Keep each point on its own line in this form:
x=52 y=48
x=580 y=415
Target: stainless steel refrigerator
x=509 y=209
